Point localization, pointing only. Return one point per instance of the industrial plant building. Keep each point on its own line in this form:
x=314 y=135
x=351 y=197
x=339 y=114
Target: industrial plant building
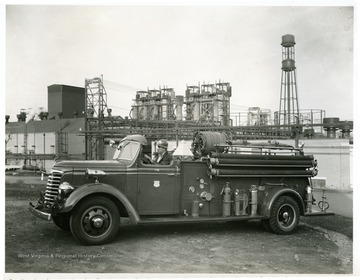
x=51 y=135
x=78 y=123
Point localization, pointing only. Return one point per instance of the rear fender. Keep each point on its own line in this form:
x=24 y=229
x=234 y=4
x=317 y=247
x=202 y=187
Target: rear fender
x=100 y=189
x=273 y=193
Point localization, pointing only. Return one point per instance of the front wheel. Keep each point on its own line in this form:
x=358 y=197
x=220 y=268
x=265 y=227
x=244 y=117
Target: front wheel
x=284 y=216
x=95 y=221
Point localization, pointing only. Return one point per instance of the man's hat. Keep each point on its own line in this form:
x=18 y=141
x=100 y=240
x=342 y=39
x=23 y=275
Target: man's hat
x=162 y=143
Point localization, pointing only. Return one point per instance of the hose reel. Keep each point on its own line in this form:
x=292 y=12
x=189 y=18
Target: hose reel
x=204 y=143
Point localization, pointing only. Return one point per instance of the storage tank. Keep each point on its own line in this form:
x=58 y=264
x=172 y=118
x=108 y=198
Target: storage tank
x=179 y=101
x=331 y=125
x=288 y=65
x=346 y=128
x=288 y=40
x=196 y=111
x=134 y=112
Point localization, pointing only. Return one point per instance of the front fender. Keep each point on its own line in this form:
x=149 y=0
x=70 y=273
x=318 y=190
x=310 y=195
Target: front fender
x=273 y=193
x=96 y=188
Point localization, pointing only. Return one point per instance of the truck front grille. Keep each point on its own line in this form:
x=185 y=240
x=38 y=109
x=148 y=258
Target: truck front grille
x=52 y=188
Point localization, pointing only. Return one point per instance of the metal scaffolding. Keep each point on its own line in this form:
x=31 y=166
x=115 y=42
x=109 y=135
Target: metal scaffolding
x=156 y=105
x=96 y=105
x=208 y=103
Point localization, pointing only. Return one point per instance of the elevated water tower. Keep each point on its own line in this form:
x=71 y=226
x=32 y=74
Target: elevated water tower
x=289 y=107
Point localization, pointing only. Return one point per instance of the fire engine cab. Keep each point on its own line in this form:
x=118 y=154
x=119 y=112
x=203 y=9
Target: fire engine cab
x=223 y=181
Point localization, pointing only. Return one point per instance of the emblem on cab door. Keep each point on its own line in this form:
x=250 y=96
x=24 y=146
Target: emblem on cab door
x=156 y=184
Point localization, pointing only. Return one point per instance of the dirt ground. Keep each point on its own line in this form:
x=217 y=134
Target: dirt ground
x=321 y=245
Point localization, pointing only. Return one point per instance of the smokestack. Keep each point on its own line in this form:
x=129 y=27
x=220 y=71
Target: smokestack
x=46 y=114
x=43 y=115
x=21 y=117
x=7 y=117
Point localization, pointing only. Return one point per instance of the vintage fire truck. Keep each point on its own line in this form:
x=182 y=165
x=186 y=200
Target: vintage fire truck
x=223 y=181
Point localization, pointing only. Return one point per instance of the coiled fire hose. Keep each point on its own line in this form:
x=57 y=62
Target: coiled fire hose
x=204 y=141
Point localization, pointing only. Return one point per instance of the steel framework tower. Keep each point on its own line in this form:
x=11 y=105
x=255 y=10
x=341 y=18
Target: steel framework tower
x=208 y=103
x=96 y=99
x=289 y=107
x=155 y=105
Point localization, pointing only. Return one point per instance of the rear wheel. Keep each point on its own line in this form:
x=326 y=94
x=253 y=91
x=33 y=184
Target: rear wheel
x=284 y=216
x=95 y=221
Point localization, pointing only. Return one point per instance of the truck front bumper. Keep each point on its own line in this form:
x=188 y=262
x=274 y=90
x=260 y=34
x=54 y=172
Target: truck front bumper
x=38 y=213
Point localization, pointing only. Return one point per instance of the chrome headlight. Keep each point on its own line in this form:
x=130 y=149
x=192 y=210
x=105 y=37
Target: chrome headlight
x=65 y=189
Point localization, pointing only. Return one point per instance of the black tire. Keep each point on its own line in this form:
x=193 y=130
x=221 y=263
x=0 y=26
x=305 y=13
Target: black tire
x=95 y=221
x=284 y=215
x=62 y=221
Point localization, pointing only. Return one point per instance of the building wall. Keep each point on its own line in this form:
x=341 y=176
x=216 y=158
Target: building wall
x=34 y=139
x=76 y=144
x=66 y=99
x=43 y=141
x=54 y=100
x=73 y=100
x=334 y=157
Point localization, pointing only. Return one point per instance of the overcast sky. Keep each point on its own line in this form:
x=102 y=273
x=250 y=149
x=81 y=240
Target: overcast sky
x=141 y=47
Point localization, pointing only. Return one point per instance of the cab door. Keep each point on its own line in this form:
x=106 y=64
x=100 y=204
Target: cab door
x=156 y=189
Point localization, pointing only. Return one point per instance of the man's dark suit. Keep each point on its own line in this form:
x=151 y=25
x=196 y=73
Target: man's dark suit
x=165 y=160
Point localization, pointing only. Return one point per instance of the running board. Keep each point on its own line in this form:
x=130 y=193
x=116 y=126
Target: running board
x=190 y=219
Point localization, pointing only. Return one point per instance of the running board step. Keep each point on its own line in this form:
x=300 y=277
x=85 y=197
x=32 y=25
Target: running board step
x=190 y=219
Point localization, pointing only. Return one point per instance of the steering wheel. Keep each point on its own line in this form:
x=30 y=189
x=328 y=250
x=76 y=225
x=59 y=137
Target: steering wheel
x=146 y=159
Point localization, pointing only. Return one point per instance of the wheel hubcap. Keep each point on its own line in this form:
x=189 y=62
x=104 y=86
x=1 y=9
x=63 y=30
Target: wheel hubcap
x=96 y=221
x=286 y=216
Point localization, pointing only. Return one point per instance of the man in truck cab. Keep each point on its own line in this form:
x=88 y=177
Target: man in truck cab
x=162 y=156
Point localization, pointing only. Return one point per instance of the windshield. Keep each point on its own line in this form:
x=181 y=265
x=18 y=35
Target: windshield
x=127 y=150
